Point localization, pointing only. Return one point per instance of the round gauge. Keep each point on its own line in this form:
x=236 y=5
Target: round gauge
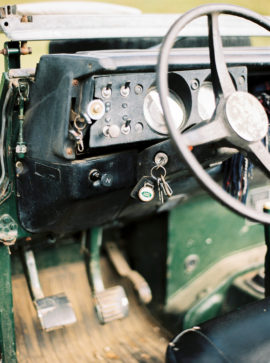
x=206 y=101
x=153 y=112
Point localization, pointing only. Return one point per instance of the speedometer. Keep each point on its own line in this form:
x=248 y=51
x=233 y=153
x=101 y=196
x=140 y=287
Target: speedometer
x=153 y=112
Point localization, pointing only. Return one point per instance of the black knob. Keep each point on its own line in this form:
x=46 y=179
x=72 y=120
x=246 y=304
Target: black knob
x=94 y=175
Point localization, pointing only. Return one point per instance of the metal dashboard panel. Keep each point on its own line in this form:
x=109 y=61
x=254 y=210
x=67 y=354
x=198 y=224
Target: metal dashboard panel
x=119 y=109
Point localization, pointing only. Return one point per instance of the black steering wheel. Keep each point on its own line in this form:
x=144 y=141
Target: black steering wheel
x=239 y=118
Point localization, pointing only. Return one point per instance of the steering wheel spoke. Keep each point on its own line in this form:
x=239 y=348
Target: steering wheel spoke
x=260 y=155
x=204 y=133
x=222 y=82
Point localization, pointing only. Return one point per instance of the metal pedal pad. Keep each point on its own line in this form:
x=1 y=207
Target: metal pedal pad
x=111 y=304
x=55 y=312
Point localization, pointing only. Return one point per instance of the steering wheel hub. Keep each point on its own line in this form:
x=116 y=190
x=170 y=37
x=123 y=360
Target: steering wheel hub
x=246 y=116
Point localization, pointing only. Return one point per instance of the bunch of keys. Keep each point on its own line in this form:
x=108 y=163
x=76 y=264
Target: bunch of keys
x=158 y=173
x=146 y=186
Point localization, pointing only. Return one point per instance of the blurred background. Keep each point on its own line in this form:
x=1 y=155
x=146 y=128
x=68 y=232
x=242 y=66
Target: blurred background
x=147 y=6
x=173 y=6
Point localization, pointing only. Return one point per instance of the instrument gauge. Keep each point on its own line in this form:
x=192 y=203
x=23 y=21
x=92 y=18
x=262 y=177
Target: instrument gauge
x=153 y=112
x=206 y=101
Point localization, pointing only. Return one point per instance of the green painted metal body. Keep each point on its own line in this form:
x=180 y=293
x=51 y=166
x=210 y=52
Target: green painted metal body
x=93 y=244
x=205 y=228
x=202 y=233
x=7 y=332
x=213 y=304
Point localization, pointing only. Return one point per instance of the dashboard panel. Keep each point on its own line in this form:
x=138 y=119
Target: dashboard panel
x=130 y=110
x=93 y=130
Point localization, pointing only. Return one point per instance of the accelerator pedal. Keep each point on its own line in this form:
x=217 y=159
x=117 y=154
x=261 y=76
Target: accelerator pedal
x=110 y=303
x=122 y=267
x=55 y=311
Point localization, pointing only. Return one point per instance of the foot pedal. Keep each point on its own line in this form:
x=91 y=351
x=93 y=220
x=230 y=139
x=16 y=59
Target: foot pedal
x=110 y=303
x=122 y=267
x=55 y=311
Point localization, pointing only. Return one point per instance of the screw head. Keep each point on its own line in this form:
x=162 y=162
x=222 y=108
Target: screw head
x=69 y=151
x=195 y=83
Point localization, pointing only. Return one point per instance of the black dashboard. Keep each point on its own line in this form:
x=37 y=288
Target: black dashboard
x=94 y=125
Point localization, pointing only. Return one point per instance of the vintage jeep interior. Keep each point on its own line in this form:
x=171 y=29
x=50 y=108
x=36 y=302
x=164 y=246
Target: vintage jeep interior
x=111 y=250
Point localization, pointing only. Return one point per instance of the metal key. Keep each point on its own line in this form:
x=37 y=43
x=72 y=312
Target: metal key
x=165 y=186
x=158 y=173
x=160 y=190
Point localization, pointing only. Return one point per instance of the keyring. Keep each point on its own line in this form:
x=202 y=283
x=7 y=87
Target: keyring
x=76 y=125
x=157 y=167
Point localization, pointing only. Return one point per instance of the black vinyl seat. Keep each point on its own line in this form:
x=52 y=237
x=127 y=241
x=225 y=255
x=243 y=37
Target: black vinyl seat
x=242 y=336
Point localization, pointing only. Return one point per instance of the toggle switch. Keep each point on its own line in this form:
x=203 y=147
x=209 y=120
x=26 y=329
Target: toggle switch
x=125 y=89
x=125 y=129
x=107 y=91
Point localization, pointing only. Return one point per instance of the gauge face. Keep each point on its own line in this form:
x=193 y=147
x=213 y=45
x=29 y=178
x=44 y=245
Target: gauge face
x=153 y=112
x=206 y=101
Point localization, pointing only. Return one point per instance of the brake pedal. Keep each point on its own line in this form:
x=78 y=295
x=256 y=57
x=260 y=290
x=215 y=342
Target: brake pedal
x=122 y=267
x=110 y=303
x=55 y=311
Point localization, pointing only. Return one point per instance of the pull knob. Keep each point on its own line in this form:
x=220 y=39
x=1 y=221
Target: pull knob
x=111 y=131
